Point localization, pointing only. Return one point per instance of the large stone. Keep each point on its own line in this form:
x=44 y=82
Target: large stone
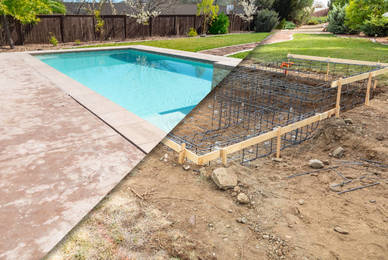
x=242 y=198
x=224 y=178
x=338 y=152
x=316 y=164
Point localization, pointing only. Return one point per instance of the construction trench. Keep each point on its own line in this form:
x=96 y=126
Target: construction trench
x=262 y=108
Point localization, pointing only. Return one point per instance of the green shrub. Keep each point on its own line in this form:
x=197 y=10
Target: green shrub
x=77 y=42
x=336 y=18
x=53 y=40
x=359 y=11
x=317 y=20
x=220 y=24
x=289 y=25
x=376 y=26
x=192 y=32
x=266 y=20
x=281 y=24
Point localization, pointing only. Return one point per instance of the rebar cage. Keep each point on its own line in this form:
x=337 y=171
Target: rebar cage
x=258 y=98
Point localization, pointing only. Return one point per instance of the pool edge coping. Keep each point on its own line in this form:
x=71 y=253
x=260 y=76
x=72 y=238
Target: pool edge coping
x=144 y=135
x=218 y=61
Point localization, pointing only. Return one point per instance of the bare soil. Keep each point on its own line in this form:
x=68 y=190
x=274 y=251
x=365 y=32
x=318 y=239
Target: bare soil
x=161 y=211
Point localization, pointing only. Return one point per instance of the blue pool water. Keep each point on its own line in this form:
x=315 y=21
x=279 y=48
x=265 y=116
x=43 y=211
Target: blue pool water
x=157 y=88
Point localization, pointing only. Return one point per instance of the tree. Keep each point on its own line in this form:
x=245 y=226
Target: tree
x=293 y=10
x=209 y=10
x=26 y=11
x=249 y=9
x=359 y=11
x=145 y=11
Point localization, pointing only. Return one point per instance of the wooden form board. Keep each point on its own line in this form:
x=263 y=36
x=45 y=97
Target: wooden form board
x=360 y=77
x=278 y=132
x=222 y=153
x=334 y=60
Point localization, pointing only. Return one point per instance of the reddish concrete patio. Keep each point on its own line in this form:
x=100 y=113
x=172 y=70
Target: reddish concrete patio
x=57 y=160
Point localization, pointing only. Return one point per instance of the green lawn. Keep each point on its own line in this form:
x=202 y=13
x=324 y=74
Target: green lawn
x=323 y=45
x=240 y=55
x=195 y=44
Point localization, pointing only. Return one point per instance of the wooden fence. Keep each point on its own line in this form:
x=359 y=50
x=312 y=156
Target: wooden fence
x=277 y=133
x=70 y=28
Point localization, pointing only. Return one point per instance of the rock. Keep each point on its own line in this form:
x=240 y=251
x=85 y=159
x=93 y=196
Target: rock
x=265 y=236
x=234 y=194
x=334 y=187
x=277 y=159
x=202 y=171
x=380 y=138
x=348 y=121
x=341 y=230
x=242 y=198
x=372 y=201
x=242 y=220
x=230 y=211
x=192 y=220
x=300 y=202
x=224 y=178
x=164 y=157
x=338 y=152
x=237 y=189
x=186 y=167
x=316 y=164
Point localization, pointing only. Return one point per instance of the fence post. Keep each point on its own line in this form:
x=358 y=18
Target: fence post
x=224 y=157
x=367 y=96
x=125 y=26
x=328 y=69
x=150 y=26
x=61 y=27
x=278 y=142
x=338 y=102
x=182 y=153
x=375 y=84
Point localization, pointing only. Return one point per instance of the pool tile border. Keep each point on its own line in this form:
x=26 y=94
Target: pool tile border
x=138 y=131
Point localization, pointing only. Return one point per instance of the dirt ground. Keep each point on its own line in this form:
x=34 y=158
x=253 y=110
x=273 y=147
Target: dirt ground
x=161 y=211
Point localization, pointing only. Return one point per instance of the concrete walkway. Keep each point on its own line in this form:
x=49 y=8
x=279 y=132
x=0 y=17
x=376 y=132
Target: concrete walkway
x=57 y=160
x=229 y=50
x=287 y=35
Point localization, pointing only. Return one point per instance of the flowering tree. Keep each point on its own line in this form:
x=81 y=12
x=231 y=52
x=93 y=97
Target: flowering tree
x=249 y=8
x=143 y=11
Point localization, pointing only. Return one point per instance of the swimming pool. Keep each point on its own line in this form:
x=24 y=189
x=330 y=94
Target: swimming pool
x=158 y=88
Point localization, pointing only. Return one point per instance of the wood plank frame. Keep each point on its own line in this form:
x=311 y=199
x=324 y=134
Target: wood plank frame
x=334 y=60
x=277 y=133
x=223 y=153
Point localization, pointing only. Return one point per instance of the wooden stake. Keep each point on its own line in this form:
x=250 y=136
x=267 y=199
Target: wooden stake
x=278 y=143
x=338 y=102
x=224 y=157
x=328 y=69
x=367 y=96
x=375 y=84
x=182 y=154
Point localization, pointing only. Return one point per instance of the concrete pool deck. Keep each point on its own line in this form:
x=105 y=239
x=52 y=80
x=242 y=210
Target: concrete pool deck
x=62 y=149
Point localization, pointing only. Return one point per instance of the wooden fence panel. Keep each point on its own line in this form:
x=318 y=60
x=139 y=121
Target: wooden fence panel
x=135 y=30
x=78 y=28
x=185 y=22
x=42 y=31
x=70 y=28
x=114 y=28
x=163 y=26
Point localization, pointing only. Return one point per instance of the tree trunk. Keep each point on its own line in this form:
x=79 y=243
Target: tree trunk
x=7 y=32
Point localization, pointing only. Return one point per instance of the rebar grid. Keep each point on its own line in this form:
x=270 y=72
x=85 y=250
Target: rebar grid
x=256 y=99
